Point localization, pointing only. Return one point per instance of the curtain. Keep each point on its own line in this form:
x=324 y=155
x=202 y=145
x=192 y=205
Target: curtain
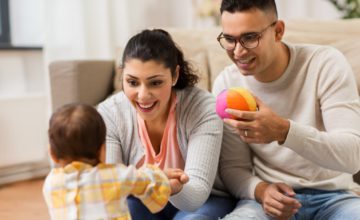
x=93 y=29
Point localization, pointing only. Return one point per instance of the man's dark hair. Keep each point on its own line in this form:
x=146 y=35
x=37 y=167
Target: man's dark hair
x=76 y=131
x=244 y=5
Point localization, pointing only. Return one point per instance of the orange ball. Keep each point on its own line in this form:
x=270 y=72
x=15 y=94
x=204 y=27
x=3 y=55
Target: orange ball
x=235 y=98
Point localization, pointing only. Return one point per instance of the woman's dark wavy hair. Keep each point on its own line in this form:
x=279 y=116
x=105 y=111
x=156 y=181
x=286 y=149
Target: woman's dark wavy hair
x=158 y=45
x=244 y=5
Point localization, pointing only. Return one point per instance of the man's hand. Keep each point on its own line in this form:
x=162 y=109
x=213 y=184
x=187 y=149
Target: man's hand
x=277 y=200
x=262 y=126
x=177 y=179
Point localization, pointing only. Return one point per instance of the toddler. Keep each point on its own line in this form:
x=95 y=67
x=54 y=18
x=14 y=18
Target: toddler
x=84 y=188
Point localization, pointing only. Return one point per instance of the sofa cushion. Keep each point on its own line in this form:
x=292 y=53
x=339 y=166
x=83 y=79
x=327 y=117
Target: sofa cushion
x=326 y=34
x=218 y=60
x=195 y=43
x=199 y=63
x=118 y=70
x=345 y=27
x=350 y=48
x=118 y=79
x=74 y=80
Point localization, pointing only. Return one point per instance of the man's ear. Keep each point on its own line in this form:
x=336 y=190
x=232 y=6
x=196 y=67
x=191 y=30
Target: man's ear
x=52 y=155
x=279 y=30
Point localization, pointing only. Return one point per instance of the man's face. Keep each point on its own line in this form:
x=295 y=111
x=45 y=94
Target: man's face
x=250 y=27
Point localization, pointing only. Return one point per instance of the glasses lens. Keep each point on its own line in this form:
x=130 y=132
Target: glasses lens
x=227 y=43
x=250 y=40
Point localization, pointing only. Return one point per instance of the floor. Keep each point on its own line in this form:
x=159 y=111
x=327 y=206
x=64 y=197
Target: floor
x=23 y=200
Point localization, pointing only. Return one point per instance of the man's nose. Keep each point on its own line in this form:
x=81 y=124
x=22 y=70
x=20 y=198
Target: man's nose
x=239 y=49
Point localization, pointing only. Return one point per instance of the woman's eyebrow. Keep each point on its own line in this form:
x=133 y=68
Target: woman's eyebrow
x=150 y=77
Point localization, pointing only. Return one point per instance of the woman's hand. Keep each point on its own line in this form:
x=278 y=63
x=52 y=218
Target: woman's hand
x=262 y=126
x=277 y=200
x=177 y=179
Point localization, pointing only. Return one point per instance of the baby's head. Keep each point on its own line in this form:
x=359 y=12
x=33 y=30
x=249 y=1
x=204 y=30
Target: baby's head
x=76 y=133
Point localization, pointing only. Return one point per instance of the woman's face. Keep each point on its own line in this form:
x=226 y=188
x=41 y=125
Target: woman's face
x=148 y=86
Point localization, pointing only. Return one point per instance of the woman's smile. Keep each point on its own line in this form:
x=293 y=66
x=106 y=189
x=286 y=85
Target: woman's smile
x=146 y=107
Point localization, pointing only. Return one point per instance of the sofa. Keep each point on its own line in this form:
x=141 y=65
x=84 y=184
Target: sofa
x=91 y=81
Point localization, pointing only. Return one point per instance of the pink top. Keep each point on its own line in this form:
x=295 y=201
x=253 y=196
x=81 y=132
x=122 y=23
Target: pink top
x=169 y=155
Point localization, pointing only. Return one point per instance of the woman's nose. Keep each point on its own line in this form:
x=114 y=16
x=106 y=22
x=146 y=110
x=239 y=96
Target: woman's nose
x=143 y=92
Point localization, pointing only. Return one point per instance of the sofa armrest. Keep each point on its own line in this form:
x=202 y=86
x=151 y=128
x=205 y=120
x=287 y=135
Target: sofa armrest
x=86 y=81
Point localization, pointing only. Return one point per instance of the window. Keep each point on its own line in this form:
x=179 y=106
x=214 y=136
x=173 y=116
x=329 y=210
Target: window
x=4 y=23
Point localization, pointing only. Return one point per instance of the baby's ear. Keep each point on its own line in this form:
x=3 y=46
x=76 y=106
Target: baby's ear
x=102 y=153
x=52 y=155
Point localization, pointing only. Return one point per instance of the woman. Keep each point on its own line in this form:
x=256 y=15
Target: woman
x=161 y=118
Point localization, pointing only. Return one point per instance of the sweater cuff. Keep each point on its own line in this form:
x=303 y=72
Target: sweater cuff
x=295 y=136
x=189 y=199
x=252 y=186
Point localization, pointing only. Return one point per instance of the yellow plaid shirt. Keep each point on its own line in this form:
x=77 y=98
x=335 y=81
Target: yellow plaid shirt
x=81 y=191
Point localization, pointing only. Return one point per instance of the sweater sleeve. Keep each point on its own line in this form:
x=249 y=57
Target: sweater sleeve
x=113 y=139
x=337 y=146
x=203 y=129
x=236 y=165
x=152 y=187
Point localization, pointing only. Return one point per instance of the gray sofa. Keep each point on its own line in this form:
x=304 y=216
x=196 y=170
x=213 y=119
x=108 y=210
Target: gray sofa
x=91 y=81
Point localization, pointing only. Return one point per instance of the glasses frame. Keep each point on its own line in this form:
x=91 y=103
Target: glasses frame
x=238 y=39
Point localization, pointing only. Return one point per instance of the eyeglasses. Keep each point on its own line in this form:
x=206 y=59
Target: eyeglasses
x=247 y=40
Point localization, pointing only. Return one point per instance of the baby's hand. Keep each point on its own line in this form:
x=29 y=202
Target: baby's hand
x=177 y=179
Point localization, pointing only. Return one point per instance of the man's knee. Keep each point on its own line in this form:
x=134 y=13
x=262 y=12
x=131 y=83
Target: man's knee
x=244 y=214
x=247 y=209
x=196 y=216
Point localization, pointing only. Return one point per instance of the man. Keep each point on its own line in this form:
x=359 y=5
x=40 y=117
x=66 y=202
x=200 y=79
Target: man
x=295 y=156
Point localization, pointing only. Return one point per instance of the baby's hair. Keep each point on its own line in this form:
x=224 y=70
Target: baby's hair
x=76 y=131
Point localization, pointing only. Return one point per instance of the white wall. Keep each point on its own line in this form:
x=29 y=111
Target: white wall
x=23 y=130
x=159 y=13
x=26 y=22
x=306 y=9
x=92 y=29
x=23 y=107
x=21 y=72
x=23 y=97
